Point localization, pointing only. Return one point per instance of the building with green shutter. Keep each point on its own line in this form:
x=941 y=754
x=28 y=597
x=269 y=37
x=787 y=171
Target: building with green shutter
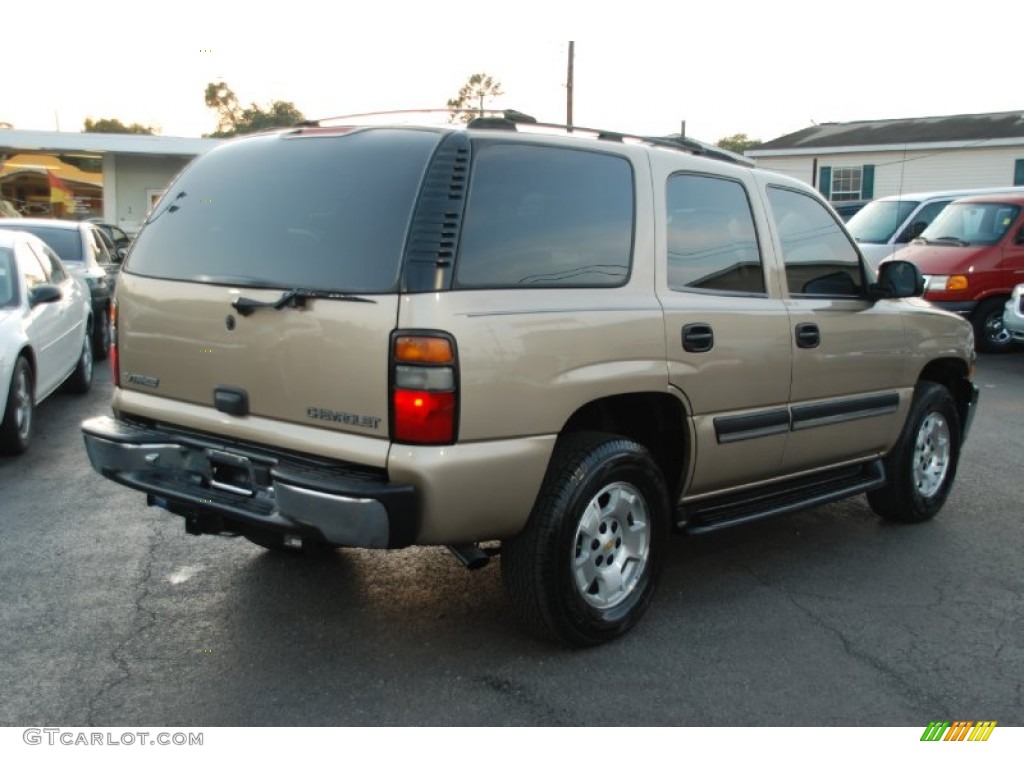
x=867 y=159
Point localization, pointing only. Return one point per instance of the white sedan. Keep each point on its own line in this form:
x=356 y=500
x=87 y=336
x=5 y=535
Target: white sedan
x=1013 y=314
x=45 y=320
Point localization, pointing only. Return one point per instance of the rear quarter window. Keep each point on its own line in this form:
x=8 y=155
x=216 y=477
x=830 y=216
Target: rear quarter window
x=546 y=217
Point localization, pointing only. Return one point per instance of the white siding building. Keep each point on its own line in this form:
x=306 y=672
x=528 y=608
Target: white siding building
x=864 y=160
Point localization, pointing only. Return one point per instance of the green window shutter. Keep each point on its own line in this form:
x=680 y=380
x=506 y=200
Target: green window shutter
x=1018 y=173
x=825 y=181
x=867 y=182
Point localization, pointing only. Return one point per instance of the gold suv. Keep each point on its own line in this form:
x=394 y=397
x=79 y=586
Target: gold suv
x=569 y=343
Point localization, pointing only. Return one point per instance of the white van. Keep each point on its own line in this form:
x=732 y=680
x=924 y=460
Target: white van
x=885 y=225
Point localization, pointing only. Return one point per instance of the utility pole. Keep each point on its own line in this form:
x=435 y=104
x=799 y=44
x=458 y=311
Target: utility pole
x=568 y=87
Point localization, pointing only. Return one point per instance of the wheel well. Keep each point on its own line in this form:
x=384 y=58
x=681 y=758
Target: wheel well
x=953 y=375
x=26 y=352
x=995 y=298
x=655 y=420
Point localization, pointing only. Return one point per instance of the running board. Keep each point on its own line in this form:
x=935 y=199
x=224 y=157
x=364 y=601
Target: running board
x=810 y=491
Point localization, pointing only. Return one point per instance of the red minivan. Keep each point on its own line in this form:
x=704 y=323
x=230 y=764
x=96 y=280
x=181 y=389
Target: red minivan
x=972 y=256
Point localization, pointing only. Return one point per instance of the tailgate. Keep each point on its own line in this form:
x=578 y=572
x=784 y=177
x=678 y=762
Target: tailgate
x=324 y=364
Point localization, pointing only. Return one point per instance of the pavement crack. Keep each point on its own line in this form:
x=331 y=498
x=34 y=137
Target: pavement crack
x=515 y=693
x=919 y=697
x=142 y=619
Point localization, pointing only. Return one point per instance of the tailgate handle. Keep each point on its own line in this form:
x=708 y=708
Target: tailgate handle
x=231 y=400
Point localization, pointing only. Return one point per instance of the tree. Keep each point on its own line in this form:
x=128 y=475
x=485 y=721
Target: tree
x=738 y=143
x=233 y=119
x=113 y=125
x=222 y=99
x=471 y=96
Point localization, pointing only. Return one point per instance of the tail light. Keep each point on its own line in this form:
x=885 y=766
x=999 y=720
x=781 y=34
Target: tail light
x=424 y=389
x=115 y=359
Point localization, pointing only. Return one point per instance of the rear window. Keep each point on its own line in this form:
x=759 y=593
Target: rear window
x=66 y=242
x=541 y=217
x=319 y=212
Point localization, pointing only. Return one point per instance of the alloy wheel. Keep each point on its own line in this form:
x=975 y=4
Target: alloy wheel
x=611 y=546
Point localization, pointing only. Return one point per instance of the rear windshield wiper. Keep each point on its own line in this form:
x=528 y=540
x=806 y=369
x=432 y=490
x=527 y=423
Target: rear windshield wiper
x=294 y=299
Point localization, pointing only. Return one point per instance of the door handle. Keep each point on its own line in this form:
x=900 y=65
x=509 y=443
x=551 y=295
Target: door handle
x=698 y=337
x=807 y=335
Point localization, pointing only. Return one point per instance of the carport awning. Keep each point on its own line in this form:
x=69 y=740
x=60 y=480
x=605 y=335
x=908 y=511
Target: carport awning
x=27 y=163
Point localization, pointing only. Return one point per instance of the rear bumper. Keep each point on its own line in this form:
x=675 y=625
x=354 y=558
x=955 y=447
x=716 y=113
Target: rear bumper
x=233 y=487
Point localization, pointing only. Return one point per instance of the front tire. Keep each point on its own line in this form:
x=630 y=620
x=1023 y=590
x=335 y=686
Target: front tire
x=101 y=335
x=16 y=427
x=990 y=333
x=922 y=465
x=584 y=568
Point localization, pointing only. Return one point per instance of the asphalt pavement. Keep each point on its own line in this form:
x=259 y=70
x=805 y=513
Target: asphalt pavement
x=111 y=615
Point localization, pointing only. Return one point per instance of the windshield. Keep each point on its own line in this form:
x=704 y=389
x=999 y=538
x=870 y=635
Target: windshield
x=8 y=280
x=878 y=221
x=316 y=212
x=971 y=223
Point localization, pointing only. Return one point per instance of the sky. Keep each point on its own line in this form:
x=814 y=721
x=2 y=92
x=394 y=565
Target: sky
x=760 y=68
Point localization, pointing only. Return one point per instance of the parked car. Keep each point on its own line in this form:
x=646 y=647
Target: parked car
x=45 y=318
x=571 y=343
x=85 y=250
x=972 y=256
x=847 y=210
x=886 y=225
x=120 y=239
x=1013 y=313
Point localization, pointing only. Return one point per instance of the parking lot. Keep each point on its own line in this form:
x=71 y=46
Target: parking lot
x=111 y=615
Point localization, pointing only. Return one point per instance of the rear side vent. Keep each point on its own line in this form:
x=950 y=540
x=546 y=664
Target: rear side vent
x=434 y=235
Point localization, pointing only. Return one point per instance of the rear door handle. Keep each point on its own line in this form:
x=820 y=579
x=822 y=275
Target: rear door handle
x=807 y=335
x=698 y=337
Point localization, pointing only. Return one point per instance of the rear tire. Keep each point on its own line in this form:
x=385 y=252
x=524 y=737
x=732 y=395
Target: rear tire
x=80 y=380
x=16 y=427
x=584 y=568
x=922 y=465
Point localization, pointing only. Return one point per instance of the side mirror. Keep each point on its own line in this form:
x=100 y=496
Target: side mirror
x=1019 y=238
x=898 y=280
x=119 y=255
x=44 y=294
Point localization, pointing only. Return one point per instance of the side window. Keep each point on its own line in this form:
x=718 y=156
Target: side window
x=51 y=263
x=29 y=266
x=712 y=243
x=546 y=217
x=99 y=248
x=921 y=220
x=8 y=279
x=820 y=259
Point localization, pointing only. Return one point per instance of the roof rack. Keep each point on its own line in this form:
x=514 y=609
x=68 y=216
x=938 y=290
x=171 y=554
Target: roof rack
x=511 y=119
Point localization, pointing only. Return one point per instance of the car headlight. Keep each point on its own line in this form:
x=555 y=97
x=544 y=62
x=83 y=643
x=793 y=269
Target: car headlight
x=945 y=283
